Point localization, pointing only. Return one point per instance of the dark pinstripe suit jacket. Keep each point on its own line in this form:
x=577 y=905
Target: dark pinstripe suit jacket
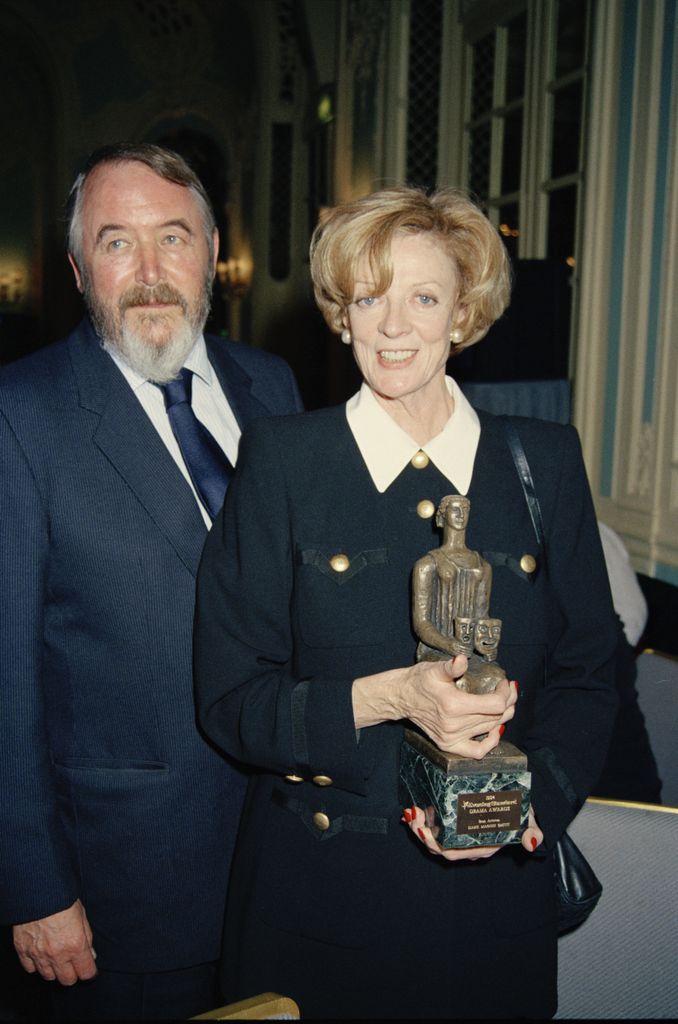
x=109 y=793
x=294 y=633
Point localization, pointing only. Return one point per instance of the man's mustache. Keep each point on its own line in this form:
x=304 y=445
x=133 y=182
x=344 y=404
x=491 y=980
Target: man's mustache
x=142 y=295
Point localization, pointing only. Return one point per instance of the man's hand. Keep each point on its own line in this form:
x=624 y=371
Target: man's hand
x=59 y=947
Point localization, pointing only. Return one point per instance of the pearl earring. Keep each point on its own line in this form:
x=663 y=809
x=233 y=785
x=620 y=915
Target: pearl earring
x=346 y=336
x=456 y=336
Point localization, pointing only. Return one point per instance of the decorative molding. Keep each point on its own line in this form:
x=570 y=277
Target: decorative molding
x=644 y=461
x=593 y=317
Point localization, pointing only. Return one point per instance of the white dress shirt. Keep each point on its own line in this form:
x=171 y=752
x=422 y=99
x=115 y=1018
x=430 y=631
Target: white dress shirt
x=386 y=448
x=209 y=403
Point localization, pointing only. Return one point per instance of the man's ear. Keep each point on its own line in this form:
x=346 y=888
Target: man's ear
x=215 y=251
x=76 y=271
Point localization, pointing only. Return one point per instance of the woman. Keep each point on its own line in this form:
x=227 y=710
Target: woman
x=304 y=647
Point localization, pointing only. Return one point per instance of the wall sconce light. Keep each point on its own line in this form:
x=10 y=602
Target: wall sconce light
x=12 y=291
x=235 y=277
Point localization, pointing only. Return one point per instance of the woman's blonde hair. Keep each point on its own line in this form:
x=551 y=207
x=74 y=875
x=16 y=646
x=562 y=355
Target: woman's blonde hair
x=363 y=229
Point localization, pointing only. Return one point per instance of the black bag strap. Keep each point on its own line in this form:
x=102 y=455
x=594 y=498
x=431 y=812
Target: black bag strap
x=577 y=887
x=525 y=477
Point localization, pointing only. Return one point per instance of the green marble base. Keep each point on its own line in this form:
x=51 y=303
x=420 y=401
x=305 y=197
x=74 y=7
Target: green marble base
x=467 y=802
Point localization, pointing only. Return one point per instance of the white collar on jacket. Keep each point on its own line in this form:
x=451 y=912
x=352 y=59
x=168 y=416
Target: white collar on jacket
x=386 y=448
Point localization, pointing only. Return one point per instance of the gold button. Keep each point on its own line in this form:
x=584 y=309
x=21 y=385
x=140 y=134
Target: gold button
x=322 y=780
x=293 y=778
x=339 y=563
x=528 y=563
x=419 y=460
x=321 y=821
x=425 y=509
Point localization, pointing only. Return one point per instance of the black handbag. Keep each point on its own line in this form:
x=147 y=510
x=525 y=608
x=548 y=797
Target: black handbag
x=577 y=887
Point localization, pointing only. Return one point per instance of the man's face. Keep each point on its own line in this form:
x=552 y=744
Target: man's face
x=146 y=270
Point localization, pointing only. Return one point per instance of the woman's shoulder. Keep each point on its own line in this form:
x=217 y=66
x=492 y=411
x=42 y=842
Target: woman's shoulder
x=298 y=422
x=536 y=435
x=311 y=430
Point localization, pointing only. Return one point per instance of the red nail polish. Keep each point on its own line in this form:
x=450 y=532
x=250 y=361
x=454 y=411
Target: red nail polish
x=502 y=729
x=516 y=684
x=407 y=816
x=533 y=841
x=413 y=812
x=420 y=833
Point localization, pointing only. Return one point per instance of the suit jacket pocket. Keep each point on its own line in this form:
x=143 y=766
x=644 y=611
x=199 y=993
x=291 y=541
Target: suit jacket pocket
x=338 y=593
x=105 y=764
x=302 y=872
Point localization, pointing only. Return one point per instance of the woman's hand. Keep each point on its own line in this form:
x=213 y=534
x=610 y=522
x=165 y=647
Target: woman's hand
x=416 y=819
x=452 y=717
x=423 y=826
x=426 y=694
x=532 y=836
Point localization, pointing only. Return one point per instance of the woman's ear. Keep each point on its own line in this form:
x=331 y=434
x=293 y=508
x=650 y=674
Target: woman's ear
x=460 y=316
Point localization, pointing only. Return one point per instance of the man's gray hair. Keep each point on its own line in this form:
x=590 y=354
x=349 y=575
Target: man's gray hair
x=164 y=162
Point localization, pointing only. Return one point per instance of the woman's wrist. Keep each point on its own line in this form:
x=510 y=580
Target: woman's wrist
x=375 y=698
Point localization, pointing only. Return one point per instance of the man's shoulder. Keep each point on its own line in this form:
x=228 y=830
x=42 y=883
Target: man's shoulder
x=252 y=374
x=38 y=389
x=33 y=378
x=26 y=368
x=48 y=364
x=251 y=359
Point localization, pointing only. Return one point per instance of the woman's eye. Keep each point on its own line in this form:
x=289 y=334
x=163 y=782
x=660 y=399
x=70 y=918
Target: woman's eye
x=425 y=300
x=367 y=300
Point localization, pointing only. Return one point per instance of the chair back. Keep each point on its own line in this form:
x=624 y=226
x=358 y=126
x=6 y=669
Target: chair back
x=657 y=687
x=622 y=962
x=266 y=1006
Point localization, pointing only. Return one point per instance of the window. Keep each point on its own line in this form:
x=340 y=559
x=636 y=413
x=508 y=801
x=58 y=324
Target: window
x=524 y=128
x=426 y=19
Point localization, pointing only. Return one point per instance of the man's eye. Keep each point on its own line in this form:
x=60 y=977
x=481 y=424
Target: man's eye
x=172 y=239
x=117 y=243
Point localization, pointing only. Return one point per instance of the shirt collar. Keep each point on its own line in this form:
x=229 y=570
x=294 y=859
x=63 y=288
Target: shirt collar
x=386 y=448
x=196 y=360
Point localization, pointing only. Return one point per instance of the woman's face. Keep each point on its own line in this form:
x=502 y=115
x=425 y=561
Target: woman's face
x=401 y=339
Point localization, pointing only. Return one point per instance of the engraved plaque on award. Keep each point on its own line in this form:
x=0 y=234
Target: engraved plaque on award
x=467 y=802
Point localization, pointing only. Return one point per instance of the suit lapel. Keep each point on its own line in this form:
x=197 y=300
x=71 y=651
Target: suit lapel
x=237 y=385
x=130 y=442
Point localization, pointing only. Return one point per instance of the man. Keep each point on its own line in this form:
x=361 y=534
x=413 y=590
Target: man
x=117 y=818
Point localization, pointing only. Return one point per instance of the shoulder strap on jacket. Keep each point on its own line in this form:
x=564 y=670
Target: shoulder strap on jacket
x=525 y=475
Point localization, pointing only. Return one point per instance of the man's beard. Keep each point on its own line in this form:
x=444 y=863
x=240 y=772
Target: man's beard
x=158 y=353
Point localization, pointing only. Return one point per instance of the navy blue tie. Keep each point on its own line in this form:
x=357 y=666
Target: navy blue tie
x=207 y=464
